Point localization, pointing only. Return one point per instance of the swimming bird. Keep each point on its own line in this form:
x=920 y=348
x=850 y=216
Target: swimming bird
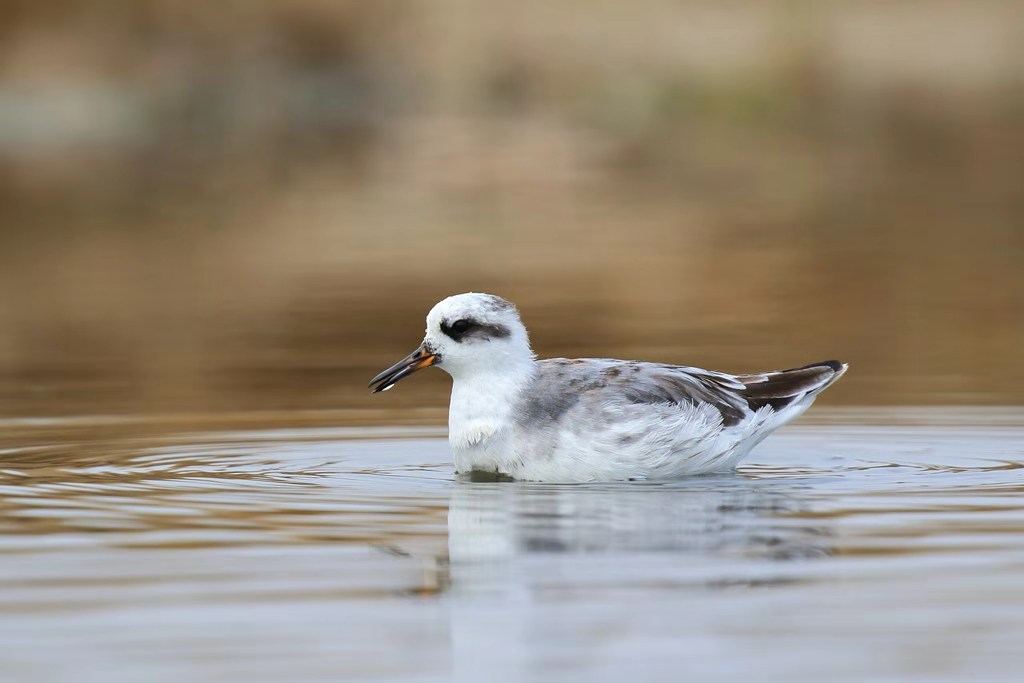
x=592 y=419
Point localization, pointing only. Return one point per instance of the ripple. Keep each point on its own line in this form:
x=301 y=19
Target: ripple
x=133 y=541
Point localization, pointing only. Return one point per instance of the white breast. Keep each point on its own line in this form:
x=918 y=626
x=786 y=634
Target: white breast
x=480 y=417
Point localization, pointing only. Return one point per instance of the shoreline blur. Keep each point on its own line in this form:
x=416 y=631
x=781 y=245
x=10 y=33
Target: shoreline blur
x=253 y=208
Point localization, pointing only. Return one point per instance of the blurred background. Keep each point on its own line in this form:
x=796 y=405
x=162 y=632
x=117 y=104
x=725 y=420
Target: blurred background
x=252 y=205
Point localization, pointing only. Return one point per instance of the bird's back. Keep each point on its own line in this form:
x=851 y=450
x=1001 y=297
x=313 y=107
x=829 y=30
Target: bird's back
x=598 y=419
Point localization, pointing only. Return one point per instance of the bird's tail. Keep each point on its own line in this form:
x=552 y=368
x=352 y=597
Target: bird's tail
x=788 y=393
x=786 y=388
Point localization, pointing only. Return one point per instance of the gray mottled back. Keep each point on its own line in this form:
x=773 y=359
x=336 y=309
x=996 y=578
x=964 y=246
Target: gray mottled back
x=562 y=384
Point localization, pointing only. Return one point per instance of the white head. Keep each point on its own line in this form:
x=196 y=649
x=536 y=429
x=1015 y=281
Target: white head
x=467 y=334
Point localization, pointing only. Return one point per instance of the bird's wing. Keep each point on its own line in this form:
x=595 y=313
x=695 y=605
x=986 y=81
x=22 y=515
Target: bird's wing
x=564 y=382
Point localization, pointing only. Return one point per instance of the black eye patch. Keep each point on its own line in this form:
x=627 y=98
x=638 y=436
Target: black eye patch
x=459 y=329
x=466 y=328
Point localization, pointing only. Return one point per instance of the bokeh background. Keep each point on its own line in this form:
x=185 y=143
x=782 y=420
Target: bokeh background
x=252 y=205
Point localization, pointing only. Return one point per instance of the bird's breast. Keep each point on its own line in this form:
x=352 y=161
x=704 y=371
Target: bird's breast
x=466 y=435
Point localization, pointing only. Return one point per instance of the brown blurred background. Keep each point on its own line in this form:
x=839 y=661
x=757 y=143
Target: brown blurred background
x=252 y=205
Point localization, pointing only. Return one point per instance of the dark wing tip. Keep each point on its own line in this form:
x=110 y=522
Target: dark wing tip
x=835 y=365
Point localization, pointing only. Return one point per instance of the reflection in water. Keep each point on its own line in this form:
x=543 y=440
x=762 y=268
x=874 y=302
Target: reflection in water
x=497 y=531
x=215 y=491
x=513 y=545
x=152 y=553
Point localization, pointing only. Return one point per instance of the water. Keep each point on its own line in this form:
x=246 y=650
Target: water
x=864 y=546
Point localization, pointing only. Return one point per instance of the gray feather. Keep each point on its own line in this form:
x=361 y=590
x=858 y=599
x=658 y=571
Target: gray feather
x=562 y=383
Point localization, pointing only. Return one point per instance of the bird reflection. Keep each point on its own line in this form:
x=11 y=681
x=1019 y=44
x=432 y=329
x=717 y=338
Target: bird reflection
x=509 y=534
x=536 y=570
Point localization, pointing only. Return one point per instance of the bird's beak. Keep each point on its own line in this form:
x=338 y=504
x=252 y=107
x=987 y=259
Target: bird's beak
x=420 y=358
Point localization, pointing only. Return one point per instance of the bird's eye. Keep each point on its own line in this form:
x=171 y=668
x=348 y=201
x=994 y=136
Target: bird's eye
x=460 y=326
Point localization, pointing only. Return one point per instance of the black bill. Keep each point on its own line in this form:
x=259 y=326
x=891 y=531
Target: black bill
x=420 y=358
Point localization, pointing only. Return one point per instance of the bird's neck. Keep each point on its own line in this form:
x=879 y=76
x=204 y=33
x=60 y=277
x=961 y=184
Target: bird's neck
x=482 y=402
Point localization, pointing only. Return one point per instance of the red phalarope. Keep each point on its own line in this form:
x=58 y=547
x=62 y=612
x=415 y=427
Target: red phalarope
x=593 y=419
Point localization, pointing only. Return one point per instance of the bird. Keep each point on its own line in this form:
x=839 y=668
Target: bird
x=573 y=420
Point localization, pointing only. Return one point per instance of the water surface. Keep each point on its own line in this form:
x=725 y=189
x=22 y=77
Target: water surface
x=864 y=546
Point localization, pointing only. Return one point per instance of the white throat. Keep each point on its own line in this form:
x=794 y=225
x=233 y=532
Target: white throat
x=482 y=402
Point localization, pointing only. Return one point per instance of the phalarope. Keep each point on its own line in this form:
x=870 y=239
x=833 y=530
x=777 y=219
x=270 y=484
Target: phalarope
x=593 y=419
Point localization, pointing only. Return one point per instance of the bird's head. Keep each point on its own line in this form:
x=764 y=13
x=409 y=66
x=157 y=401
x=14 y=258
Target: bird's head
x=466 y=334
